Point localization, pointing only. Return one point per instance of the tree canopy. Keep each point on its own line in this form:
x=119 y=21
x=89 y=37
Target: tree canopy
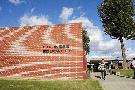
x=117 y=18
x=86 y=41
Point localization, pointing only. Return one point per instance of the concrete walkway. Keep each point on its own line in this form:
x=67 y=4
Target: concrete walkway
x=113 y=82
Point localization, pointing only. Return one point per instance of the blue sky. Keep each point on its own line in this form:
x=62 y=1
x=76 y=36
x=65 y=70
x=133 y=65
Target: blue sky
x=35 y=12
x=11 y=12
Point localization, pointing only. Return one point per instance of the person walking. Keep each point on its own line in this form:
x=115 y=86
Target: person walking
x=133 y=63
x=92 y=67
x=110 y=68
x=102 y=68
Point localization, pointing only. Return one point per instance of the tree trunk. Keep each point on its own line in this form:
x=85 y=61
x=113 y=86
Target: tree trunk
x=123 y=53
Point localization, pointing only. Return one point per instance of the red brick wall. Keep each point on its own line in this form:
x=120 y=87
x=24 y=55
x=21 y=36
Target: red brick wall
x=49 y=52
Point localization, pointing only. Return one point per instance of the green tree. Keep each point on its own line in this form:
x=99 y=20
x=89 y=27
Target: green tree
x=86 y=41
x=117 y=19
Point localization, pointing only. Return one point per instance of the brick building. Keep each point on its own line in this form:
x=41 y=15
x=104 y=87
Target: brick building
x=42 y=51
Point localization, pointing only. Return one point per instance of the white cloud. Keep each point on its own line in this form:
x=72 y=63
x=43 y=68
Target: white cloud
x=94 y=33
x=28 y=19
x=108 y=45
x=107 y=48
x=130 y=53
x=16 y=2
x=101 y=57
x=84 y=20
x=65 y=14
x=97 y=41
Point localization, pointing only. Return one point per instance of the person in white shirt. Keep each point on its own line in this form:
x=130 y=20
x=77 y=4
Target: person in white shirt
x=102 y=68
x=133 y=63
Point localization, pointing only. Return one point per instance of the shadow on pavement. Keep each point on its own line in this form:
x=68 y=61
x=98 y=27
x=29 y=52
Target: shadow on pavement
x=98 y=77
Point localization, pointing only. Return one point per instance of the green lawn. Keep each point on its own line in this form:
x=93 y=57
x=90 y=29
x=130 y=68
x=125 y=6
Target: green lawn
x=49 y=85
x=126 y=72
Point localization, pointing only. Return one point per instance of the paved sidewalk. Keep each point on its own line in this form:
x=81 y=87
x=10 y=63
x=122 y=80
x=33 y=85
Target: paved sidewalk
x=113 y=82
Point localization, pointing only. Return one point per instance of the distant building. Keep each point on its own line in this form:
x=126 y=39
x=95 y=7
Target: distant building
x=115 y=63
